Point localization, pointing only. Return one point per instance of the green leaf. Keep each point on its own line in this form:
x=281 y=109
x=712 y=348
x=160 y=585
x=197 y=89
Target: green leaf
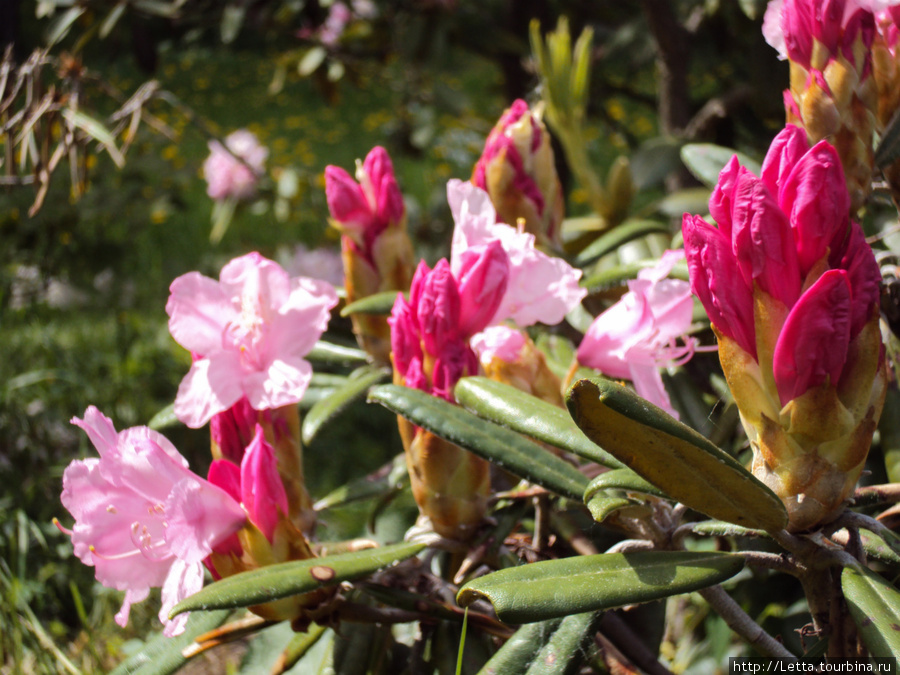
x=553 y=588
x=162 y=655
x=519 y=651
x=164 y=419
x=688 y=200
x=621 y=479
x=706 y=161
x=293 y=578
x=378 y=303
x=95 y=130
x=568 y=646
x=888 y=149
x=314 y=58
x=326 y=352
x=529 y=415
x=61 y=26
x=621 y=274
x=299 y=646
x=221 y=216
x=112 y=19
x=497 y=444
x=603 y=505
x=611 y=240
x=672 y=456
x=875 y=607
x=332 y=405
x=387 y=479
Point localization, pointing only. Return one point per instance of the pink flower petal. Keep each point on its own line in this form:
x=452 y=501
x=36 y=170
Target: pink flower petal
x=500 y=342
x=184 y=580
x=262 y=491
x=812 y=347
x=211 y=386
x=198 y=312
x=200 y=516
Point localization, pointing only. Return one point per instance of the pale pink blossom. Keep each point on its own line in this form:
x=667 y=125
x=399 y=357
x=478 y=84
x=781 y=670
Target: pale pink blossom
x=142 y=518
x=225 y=175
x=501 y=342
x=249 y=332
x=541 y=288
x=637 y=336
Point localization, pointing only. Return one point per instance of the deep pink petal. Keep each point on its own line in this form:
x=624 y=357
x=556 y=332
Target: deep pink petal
x=721 y=201
x=812 y=347
x=717 y=282
x=346 y=200
x=405 y=338
x=262 y=491
x=816 y=200
x=864 y=276
x=763 y=242
x=438 y=307
x=482 y=278
x=784 y=152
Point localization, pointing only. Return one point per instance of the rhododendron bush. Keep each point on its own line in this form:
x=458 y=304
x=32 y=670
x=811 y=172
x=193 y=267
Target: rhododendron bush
x=643 y=416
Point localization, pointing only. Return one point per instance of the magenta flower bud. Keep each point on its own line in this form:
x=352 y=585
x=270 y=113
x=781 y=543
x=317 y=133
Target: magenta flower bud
x=365 y=207
x=226 y=475
x=262 y=492
x=388 y=200
x=346 y=200
x=232 y=430
x=794 y=297
x=717 y=281
x=437 y=305
x=406 y=345
x=456 y=361
x=812 y=347
x=721 y=202
x=483 y=278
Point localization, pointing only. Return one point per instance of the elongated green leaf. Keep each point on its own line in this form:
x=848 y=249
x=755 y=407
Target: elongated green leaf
x=672 y=456
x=326 y=352
x=621 y=479
x=568 y=647
x=706 y=161
x=95 y=130
x=529 y=415
x=162 y=655
x=497 y=444
x=610 y=241
x=603 y=505
x=298 y=647
x=688 y=200
x=875 y=607
x=164 y=418
x=519 y=651
x=390 y=477
x=293 y=578
x=889 y=148
x=619 y=275
x=553 y=588
x=331 y=406
x=379 y=303
x=314 y=58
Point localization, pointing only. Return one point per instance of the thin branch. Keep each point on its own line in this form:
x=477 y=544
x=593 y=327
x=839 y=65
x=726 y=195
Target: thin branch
x=620 y=634
x=741 y=623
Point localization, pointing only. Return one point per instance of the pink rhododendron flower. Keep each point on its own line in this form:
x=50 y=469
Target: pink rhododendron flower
x=541 y=288
x=142 y=518
x=228 y=177
x=635 y=337
x=249 y=331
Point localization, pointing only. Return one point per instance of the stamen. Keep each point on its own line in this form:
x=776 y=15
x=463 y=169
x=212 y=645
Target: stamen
x=111 y=509
x=61 y=528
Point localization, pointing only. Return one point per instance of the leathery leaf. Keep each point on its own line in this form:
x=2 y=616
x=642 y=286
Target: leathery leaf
x=672 y=456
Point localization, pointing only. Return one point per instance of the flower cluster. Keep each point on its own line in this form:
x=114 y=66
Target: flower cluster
x=142 y=518
x=792 y=289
